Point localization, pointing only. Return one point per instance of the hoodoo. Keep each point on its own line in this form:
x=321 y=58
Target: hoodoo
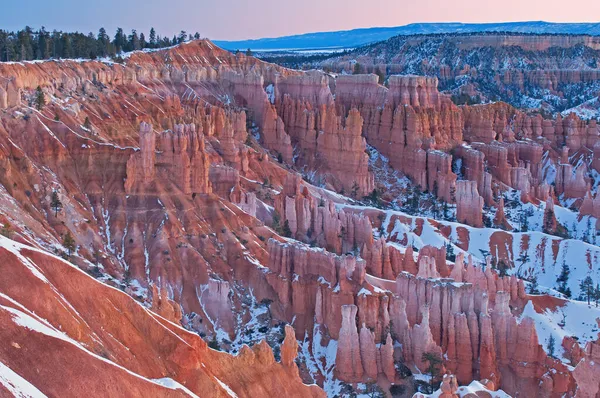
x=187 y=221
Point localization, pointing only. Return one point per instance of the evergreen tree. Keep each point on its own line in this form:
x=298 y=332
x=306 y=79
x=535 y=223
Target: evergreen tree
x=415 y=200
x=533 y=286
x=587 y=289
x=277 y=222
x=119 y=41
x=287 y=232
x=445 y=210
x=248 y=53
x=432 y=369
x=103 y=43
x=42 y=46
x=197 y=36
x=182 y=37
x=550 y=346
x=563 y=280
x=134 y=41
x=523 y=259
x=502 y=268
x=450 y=252
x=40 y=100
x=69 y=243
x=597 y=294
x=356 y=69
x=152 y=43
x=66 y=49
x=55 y=203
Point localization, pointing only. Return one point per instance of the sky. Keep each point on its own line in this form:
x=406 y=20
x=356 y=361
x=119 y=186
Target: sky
x=248 y=19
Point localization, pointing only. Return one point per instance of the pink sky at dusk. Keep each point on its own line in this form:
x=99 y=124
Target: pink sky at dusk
x=237 y=19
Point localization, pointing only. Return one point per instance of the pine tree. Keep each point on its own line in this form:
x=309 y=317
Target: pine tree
x=152 y=38
x=103 y=42
x=597 y=294
x=134 y=41
x=276 y=222
x=55 y=203
x=533 y=286
x=587 y=289
x=550 y=346
x=182 y=37
x=119 y=41
x=563 y=280
x=445 y=210
x=248 y=53
x=502 y=268
x=450 y=252
x=432 y=369
x=523 y=258
x=287 y=232
x=87 y=124
x=69 y=243
x=356 y=69
x=40 y=100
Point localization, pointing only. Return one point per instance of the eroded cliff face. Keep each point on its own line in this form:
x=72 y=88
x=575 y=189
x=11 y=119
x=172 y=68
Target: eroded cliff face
x=524 y=70
x=106 y=343
x=178 y=177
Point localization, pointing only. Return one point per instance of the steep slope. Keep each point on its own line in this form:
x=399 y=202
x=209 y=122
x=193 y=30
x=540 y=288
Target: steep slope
x=69 y=335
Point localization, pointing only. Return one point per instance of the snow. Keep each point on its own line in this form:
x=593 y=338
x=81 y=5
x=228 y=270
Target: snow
x=14 y=248
x=227 y=389
x=586 y=111
x=270 y=90
x=546 y=253
x=475 y=389
x=173 y=385
x=320 y=361
x=16 y=385
x=28 y=320
x=364 y=292
x=578 y=318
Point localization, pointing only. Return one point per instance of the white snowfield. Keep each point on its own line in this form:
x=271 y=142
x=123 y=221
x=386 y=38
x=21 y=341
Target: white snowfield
x=539 y=248
x=23 y=317
x=474 y=388
x=16 y=385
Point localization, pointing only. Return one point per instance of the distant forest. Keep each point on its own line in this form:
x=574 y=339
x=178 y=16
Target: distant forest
x=28 y=44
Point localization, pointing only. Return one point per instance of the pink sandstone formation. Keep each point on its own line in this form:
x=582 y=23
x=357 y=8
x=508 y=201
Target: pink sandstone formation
x=180 y=207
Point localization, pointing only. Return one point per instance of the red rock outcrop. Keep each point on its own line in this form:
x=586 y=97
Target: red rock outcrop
x=587 y=370
x=317 y=220
x=97 y=341
x=181 y=158
x=173 y=222
x=596 y=157
x=469 y=203
x=348 y=363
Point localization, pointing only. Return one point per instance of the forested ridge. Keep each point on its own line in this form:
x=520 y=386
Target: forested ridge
x=28 y=44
